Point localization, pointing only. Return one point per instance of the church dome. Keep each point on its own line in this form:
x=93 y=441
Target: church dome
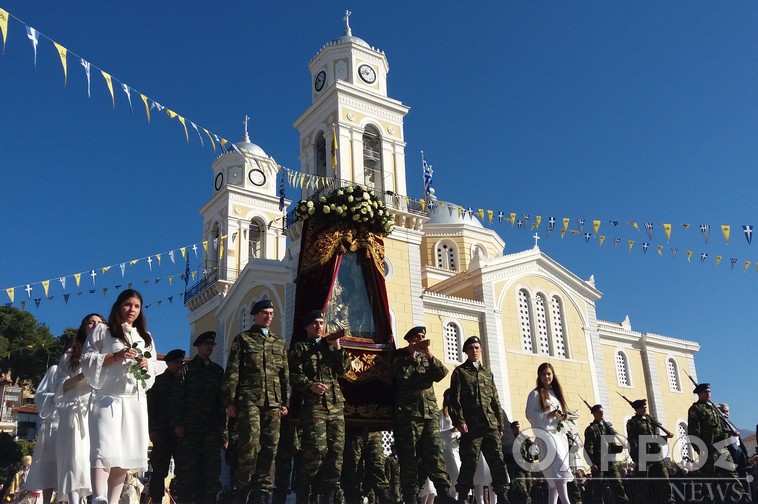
x=350 y=38
x=447 y=213
x=248 y=146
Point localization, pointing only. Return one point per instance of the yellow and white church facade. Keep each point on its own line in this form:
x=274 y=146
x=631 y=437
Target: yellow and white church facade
x=443 y=270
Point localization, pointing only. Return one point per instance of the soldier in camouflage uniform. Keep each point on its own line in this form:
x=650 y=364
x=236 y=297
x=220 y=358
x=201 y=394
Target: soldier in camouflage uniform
x=199 y=420
x=284 y=460
x=159 y=423
x=255 y=389
x=315 y=365
x=599 y=448
x=519 y=476
x=475 y=411
x=417 y=436
x=641 y=424
x=364 y=445
x=706 y=423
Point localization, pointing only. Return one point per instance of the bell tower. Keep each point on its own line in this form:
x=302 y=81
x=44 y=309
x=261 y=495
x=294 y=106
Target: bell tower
x=352 y=130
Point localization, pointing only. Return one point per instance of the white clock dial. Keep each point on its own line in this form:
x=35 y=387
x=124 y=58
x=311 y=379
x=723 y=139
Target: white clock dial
x=367 y=74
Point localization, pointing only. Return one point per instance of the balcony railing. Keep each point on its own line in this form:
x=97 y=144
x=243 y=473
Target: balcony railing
x=201 y=285
x=391 y=199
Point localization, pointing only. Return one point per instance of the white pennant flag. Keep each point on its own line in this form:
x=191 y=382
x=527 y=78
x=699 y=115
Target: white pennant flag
x=34 y=37
x=198 y=133
x=86 y=66
x=123 y=269
x=171 y=255
x=62 y=280
x=128 y=96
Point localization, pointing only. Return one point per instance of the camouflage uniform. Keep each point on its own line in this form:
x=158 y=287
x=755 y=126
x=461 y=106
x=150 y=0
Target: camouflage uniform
x=366 y=446
x=474 y=401
x=161 y=432
x=417 y=434
x=256 y=382
x=392 y=470
x=283 y=475
x=705 y=422
x=642 y=425
x=322 y=417
x=593 y=444
x=197 y=407
x=518 y=475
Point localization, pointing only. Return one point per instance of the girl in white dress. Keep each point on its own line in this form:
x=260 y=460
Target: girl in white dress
x=42 y=474
x=118 y=416
x=73 y=395
x=546 y=409
x=450 y=442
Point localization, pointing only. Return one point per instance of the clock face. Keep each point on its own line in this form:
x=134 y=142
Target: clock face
x=367 y=74
x=318 y=84
x=219 y=181
x=257 y=177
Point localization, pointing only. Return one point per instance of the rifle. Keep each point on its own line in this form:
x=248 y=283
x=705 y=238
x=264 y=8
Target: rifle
x=614 y=447
x=725 y=423
x=652 y=419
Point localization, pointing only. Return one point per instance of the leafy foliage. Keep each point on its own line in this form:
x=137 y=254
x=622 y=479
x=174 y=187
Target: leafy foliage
x=354 y=205
x=10 y=456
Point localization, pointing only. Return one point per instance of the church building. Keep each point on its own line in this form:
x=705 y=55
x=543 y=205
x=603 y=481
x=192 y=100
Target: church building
x=443 y=269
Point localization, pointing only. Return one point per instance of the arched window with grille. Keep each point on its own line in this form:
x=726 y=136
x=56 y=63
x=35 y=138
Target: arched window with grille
x=447 y=255
x=452 y=337
x=525 y=321
x=682 y=441
x=675 y=385
x=255 y=238
x=320 y=155
x=372 y=159
x=212 y=256
x=623 y=376
x=540 y=315
x=557 y=326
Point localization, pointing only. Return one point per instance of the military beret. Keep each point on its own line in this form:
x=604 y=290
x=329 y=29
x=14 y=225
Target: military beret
x=515 y=424
x=311 y=316
x=261 y=305
x=702 y=387
x=596 y=407
x=175 y=354
x=414 y=331
x=206 y=336
x=639 y=403
x=470 y=341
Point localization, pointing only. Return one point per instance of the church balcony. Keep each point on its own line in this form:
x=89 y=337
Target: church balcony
x=408 y=212
x=197 y=289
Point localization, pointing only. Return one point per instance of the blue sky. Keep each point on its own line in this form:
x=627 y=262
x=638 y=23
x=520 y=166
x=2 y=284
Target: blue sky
x=616 y=111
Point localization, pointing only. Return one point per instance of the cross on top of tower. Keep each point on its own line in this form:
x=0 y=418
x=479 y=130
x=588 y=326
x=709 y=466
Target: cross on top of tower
x=536 y=239
x=347 y=22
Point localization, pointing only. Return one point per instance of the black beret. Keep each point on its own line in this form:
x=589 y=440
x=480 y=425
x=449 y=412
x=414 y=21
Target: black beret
x=415 y=331
x=175 y=354
x=702 y=388
x=311 y=316
x=596 y=407
x=515 y=424
x=261 y=305
x=471 y=340
x=207 y=335
x=639 y=403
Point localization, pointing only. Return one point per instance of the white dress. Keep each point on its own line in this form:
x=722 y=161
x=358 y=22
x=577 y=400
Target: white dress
x=42 y=474
x=547 y=430
x=118 y=416
x=72 y=445
x=450 y=448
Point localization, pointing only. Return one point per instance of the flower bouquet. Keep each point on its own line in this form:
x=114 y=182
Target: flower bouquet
x=354 y=205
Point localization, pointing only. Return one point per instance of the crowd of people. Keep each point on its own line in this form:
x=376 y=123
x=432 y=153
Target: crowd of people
x=105 y=401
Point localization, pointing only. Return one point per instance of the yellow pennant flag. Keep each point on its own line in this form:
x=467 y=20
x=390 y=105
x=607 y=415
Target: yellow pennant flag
x=186 y=133
x=335 y=147
x=725 y=228
x=205 y=248
x=221 y=247
x=224 y=141
x=686 y=226
x=490 y=214
x=147 y=107
x=566 y=221
x=689 y=255
x=747 y=265
x=634 y=225
x=134 y=261
x=4 y=29
x=538 y=220
x=104 y=269
x=460 y=211
x=171 y=113
x=10 y=291
x=513 y=218
x=667 y=228
x=423 y=204
x=78 y=278
x=109 y=81
x=601 y=239
x=718 y=260
x=194 y=273
x=660 y=249
x=596 y=225
x=211 y=139
x=631 y=244
x=183 y=250
x=45 y=286
x=158 y=256
x=171 y=279
x=105 y=291
x=480 y=213
x=62 y=53
x=563 y=232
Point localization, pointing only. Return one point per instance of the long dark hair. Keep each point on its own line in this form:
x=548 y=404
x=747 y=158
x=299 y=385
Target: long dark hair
x=114 y=319
x=77 y=342
x=556 y=386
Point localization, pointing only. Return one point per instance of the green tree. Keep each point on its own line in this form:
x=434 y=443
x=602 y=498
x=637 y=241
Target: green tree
x=10 y=456
x=26 y=346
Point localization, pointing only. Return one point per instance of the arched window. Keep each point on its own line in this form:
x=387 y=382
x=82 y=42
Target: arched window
x=525 y=321
x=622 y=369
x=320 y=148
x=452 y=335
x=685 y=449
x=255 y=238
x=211 y=258
x=673 y=372
x=543 y=338
x=559 y=334
x=478 y=251
x=372 y=159
x=447 y=255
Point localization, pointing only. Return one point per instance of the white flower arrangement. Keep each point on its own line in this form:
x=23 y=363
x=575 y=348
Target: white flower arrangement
x=354 y=204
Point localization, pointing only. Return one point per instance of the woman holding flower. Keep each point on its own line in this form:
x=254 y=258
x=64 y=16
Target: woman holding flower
x=119 y=363
x=547 y=412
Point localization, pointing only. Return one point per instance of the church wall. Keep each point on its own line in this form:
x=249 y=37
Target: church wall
x=618 y=409
x=675 y=404
x=399 y=285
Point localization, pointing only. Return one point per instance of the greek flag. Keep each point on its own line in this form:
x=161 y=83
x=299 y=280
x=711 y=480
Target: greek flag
x=427 y=168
